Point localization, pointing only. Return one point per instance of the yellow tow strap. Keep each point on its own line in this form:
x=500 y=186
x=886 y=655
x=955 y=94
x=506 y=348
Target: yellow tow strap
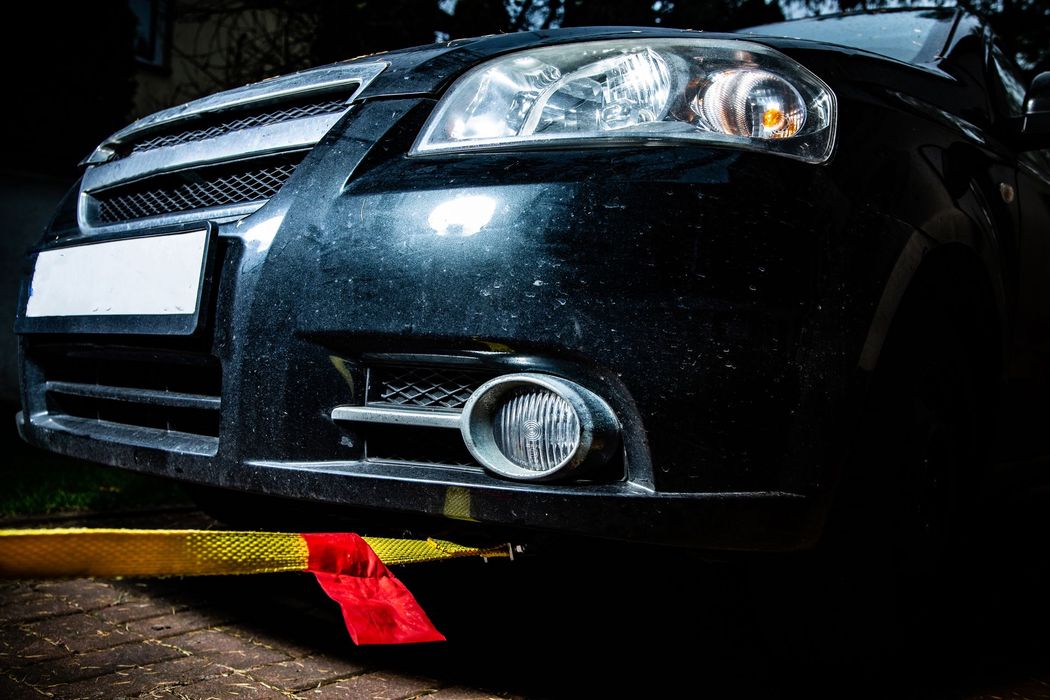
x=113 y=552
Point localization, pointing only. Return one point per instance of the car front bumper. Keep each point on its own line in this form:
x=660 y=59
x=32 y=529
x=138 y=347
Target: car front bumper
x=688 y=287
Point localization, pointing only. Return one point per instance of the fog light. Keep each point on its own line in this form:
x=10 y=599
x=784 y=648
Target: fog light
x=536 y=427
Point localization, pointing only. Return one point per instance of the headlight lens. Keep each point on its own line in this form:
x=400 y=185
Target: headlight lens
x=751 y=103
x=656 y=90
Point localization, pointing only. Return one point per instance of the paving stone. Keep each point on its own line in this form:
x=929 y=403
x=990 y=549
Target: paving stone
x=19 y=647
x=235 y=685
x=33 y=606
x=133 y=655
x=137 y=610
x=86 y=594
x=170 y=624
x=97 y=663
x=185 y=591
x=16 y=596
x=48 y=673
x=10 y=689
x=1032 y=689
x=81 y=632
x=152 y=679
x=374 y=686
x=274 y=641
x=310 y=672
x=8 y=587
x=458 y=693
x=226 y=649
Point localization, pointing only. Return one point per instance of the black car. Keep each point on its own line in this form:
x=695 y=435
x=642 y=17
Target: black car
x=637 y=283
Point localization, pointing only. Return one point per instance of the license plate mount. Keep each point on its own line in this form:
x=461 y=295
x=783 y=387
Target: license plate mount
x=151 y=285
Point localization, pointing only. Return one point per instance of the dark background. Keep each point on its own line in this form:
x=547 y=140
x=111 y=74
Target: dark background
x=78 y=72
x=83 y=70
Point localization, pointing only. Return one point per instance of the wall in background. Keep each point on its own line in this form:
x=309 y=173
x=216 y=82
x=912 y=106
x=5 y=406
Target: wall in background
x=27 y=203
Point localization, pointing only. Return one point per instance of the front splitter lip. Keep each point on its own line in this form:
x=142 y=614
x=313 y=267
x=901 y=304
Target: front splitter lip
x=744 y=521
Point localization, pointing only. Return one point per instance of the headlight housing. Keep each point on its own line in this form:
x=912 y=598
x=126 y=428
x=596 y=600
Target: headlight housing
x=732 y=93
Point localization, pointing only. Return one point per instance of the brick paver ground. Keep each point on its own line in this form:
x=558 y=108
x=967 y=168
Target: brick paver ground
x=573 y=626
x=193 y=638
x=131 y=639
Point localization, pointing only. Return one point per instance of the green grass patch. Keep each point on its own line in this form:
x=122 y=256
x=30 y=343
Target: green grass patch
x=35 y=482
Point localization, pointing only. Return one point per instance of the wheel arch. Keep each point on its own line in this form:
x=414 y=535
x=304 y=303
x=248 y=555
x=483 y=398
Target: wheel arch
x=948 y=266
x=947 y=279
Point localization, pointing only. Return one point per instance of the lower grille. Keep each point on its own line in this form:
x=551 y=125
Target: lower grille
x=439 y=388
x=155 y=393
x=432 y=446
x=425 y=387
x=244 y=183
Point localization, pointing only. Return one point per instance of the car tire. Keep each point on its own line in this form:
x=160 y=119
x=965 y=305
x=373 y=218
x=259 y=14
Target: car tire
x=892 y=593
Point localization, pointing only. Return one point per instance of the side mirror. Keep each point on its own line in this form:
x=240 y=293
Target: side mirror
x=1035 y=124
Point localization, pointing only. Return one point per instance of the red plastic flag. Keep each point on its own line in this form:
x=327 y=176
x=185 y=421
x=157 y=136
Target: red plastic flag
x=377 y=608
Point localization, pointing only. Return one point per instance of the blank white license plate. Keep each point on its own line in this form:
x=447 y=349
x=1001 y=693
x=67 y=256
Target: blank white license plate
x=152 y=276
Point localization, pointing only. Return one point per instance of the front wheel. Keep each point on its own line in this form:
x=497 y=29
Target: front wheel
x=893 y=591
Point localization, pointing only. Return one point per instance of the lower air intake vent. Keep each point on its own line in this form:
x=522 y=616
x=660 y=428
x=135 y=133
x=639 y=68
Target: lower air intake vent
x=163 y=398
x=243 y=183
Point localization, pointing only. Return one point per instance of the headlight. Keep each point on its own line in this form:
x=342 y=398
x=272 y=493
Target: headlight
x=733 y=93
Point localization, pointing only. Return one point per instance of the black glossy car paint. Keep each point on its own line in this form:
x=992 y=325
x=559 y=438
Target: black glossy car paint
x=728 y=305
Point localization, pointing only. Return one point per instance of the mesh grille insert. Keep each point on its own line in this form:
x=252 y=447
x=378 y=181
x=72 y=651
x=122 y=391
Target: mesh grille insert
x=427 y=387
x=196 y=189
x=248 y=121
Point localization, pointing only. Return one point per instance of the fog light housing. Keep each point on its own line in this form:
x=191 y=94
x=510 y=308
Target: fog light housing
x=534 y=427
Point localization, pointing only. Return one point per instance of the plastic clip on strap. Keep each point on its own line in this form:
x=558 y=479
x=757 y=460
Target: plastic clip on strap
x=376 y=606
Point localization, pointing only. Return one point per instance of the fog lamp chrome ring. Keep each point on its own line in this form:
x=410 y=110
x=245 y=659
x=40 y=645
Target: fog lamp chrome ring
x=598 y=429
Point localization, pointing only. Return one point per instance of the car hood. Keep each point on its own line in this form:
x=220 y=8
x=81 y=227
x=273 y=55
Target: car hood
x=420 y=70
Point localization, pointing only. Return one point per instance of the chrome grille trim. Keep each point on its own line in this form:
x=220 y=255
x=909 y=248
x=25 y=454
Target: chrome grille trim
x=248 y=121
x=219 y=215
x=283 y=127
x=273 y=90
x=397 y=416
x=237 y=145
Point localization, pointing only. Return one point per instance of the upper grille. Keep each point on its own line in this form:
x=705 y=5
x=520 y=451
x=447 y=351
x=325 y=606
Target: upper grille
x=179 y=192
x=425 y=387
x=221 y=156
x=248 y=121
